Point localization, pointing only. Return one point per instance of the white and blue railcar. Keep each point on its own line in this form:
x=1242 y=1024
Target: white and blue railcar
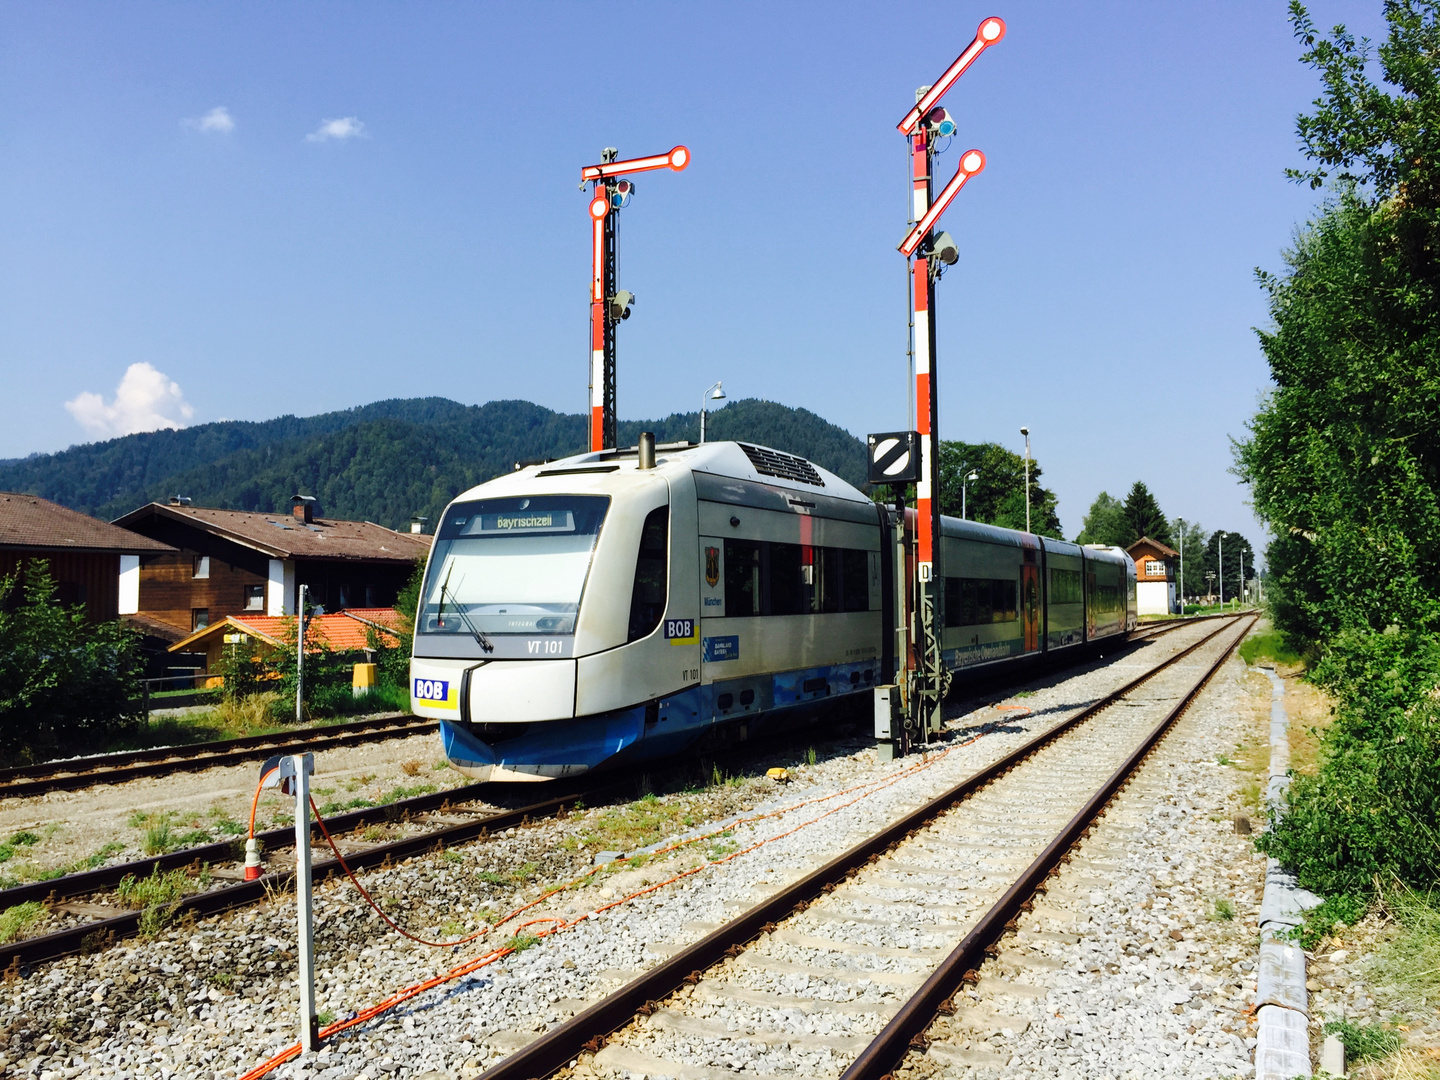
x=618 y=606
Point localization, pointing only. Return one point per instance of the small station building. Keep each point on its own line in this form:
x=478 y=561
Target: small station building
x=1154 y=577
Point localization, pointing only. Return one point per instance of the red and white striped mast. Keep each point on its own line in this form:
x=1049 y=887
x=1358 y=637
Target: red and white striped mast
x=608 y=306
x=922 y=126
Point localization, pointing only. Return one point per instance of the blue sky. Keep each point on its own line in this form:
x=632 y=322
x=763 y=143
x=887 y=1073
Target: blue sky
x=386 y=206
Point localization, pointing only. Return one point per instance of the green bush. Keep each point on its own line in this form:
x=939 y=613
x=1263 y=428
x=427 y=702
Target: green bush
x=65 y=683
x=1372 y=807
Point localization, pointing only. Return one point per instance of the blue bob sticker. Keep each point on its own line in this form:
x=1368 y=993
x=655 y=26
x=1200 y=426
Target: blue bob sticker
x=432 y=690
x=721 y=648
x=681 y=632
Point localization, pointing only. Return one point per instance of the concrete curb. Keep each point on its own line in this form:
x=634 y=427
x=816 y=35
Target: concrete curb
x=1282 y=1043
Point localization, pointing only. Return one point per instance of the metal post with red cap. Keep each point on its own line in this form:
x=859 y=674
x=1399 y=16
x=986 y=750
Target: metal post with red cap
x=923 y=125
x=608 y=306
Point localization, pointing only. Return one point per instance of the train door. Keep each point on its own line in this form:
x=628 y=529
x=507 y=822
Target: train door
x=1030 y=599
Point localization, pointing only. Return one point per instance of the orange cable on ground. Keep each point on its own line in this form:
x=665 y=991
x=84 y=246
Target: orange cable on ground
x=472 y=965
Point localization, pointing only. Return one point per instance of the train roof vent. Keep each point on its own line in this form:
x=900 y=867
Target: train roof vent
x=785 y=466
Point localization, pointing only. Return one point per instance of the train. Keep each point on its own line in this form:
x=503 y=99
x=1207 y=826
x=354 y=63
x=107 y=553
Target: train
x=625 y=605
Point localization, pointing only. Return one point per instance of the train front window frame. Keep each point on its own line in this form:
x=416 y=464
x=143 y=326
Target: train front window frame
x=511 y=566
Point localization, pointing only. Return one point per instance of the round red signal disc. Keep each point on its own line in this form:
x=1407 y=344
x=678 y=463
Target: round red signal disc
x=679 y=157
x=599 y=207
x=992 y=30
x=972 y=161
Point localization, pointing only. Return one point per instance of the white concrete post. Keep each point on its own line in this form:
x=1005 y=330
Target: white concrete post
x=303 y=765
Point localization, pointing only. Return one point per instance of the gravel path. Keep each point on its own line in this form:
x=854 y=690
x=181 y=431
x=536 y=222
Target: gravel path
x=217 y=998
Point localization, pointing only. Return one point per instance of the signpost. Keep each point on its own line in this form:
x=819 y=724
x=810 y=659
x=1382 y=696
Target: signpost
x=927 y=254
x=609 y=306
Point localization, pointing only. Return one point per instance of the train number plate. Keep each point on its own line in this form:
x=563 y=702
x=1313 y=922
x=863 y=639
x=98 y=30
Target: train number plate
x=432 y=690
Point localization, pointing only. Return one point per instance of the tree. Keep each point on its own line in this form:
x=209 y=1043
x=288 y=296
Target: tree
x=1189 y=540
x=1144 y=516
x=997 y=495
x=65 y=683
x=1105 y=523
x=1343 y=458
x=1232 y=546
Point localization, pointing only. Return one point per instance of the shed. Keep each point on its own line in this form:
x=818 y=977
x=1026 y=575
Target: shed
x=1154 y=576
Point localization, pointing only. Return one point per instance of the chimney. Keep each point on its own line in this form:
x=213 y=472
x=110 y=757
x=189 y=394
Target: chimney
x=417 y=523
x=303 y=508
x=646 y=450
x=179 y=500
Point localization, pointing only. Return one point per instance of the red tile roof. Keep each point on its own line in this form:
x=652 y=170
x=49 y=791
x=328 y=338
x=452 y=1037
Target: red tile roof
x=282 y=536
x=32 y=523
x=1159 y=548
x=338 y=630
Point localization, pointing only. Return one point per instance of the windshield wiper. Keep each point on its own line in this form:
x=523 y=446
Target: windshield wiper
x=480 y=639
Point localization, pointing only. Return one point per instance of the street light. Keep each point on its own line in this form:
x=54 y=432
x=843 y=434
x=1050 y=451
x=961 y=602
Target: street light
x=715 y=393
x=1026 y=432
x=1181 y=522
x=963 y=481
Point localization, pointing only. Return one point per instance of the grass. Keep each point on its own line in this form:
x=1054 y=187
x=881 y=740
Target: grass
x=157 y=897
x=1268 y=645
x=19 y=840
x=1334 y=913
x=411 y=767
x=1364 y=1041
x=520 y=942
x=519 y=876
x=1411 y=960
x=638 y=824
x=16 y=920
x=1222 y=910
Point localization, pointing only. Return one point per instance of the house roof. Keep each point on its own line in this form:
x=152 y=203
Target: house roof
x=1154 y=545
x=340 y=631
x=282 y=536
x=153 y=627
x=32 y=523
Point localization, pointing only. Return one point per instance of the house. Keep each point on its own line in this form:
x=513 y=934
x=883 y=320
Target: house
x=89 y=559
x=237 y=562
x=1154 y=576
x=340 y=632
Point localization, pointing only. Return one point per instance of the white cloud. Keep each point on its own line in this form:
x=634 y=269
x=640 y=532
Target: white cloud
x=217 y=119
x=347 y=127
x=145 y=400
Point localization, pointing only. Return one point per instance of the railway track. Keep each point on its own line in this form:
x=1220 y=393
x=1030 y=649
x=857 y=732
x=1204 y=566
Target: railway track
x=888 y=932
x=74 y=774
x=445 y=816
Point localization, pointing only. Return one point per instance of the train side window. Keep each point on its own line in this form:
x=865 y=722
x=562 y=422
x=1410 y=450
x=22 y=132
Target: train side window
x=647 y=599
x=790 y=580
x=742 y=578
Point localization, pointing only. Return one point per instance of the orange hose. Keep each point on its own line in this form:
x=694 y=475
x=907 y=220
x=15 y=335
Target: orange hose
x=255 y=802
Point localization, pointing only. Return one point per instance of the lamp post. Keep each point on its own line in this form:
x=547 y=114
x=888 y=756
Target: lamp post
x=963 y=481
x=1026 y=432
x=715 y=393
x=1220 y=565
x=1181 y=522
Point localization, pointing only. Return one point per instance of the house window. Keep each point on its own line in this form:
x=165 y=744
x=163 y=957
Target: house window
x=254 y=597
x=202 y=566
x=1154 y=568
x=199 y=618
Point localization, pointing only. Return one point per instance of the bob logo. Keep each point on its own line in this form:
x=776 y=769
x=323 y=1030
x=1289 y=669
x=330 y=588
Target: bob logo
x=712 y=566
x=681 y=632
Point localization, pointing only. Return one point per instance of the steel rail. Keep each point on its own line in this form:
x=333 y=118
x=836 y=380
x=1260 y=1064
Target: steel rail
x=589 y=1029
x=101 y=933
x=78 y=773
x=905 y=1030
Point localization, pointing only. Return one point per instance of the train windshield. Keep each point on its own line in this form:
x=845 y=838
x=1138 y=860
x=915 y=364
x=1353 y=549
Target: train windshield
x=511 y=566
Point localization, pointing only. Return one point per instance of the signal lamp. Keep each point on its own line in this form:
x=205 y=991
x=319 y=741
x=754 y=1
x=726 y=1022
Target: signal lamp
x=944 y=248
x=940 y=122
x=620 y=305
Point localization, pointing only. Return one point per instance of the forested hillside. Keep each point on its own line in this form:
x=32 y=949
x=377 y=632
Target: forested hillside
x=381 y=462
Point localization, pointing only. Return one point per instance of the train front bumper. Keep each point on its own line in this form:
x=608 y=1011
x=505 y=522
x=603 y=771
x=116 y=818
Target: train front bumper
x=540 y=751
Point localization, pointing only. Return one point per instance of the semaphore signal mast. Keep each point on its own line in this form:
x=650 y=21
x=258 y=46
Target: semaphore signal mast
x=927 y=254
x=609 y=305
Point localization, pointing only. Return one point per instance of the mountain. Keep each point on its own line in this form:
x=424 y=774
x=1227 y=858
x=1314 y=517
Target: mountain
x=381 y=462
